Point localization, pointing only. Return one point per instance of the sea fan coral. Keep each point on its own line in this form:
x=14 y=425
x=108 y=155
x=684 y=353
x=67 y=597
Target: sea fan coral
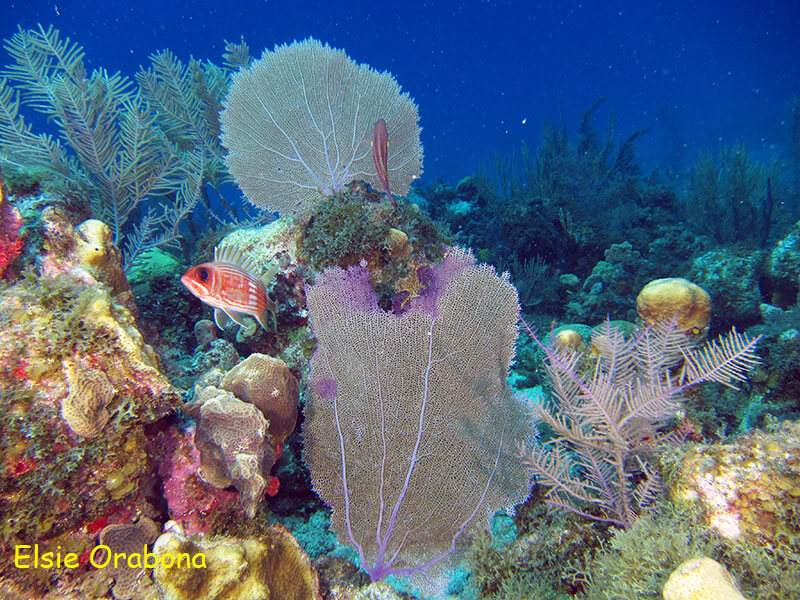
x=298 y=124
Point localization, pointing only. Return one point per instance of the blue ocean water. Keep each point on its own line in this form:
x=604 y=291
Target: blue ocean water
x=486 y=74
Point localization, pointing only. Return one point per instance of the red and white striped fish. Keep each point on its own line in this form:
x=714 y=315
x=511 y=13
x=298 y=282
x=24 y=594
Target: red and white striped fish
x=230 y=286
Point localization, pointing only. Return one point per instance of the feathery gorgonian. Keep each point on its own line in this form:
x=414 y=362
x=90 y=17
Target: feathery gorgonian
x=607 y=411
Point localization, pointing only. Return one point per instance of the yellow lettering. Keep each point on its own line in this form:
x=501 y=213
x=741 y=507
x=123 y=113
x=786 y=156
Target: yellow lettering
x=135 y=561
x=147 y=557
x=117 y=557
x=199 y=561
x=19 y=557
x=181 y=556
x=71 y=560
x=47 y=560
x=104 y=564
x=167 y=560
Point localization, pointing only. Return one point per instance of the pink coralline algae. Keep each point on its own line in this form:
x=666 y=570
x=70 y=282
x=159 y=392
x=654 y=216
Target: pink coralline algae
x=10 y=241
x=191 y=501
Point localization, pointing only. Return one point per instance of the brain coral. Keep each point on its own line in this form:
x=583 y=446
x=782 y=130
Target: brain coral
x=272 y=566
x=84 y=409
x=674 y=297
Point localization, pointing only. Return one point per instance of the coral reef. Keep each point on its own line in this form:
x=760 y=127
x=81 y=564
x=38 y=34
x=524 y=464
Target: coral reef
x=80 y=387
x=85 y=253
x=243 y=424
x=394 y=241
x=10 y=224
x=234 y=447
x=607 y=290
x=637 y=561
x=129 y=582
x=732 y=278
x=90 y=393
x=192 y=503
x=609 y=410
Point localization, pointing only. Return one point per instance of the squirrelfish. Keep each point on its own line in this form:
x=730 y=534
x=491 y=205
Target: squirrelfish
x=231 y=287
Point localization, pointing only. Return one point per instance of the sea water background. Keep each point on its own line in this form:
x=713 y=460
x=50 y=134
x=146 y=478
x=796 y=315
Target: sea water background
x=487 y=74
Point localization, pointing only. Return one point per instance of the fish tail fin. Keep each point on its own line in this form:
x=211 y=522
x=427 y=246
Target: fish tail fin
x=271 y=308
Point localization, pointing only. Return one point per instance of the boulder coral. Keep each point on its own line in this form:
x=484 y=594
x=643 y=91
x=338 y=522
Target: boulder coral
x=701 y=579
x=674 y=297
x=272 y=566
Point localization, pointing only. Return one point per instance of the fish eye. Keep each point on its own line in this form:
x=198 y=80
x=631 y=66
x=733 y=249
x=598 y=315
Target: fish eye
x=202 y=274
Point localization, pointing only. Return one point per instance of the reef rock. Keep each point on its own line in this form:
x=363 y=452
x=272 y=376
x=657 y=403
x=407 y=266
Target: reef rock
x=85 y=253
x=194 y=505
x=80 y=386
x=731 y=277
x=749 y=488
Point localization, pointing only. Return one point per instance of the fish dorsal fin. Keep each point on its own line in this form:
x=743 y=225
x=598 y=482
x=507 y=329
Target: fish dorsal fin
x=232 y=254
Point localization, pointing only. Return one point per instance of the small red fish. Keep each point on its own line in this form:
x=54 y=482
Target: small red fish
x=229 y=285
x=380 y=154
